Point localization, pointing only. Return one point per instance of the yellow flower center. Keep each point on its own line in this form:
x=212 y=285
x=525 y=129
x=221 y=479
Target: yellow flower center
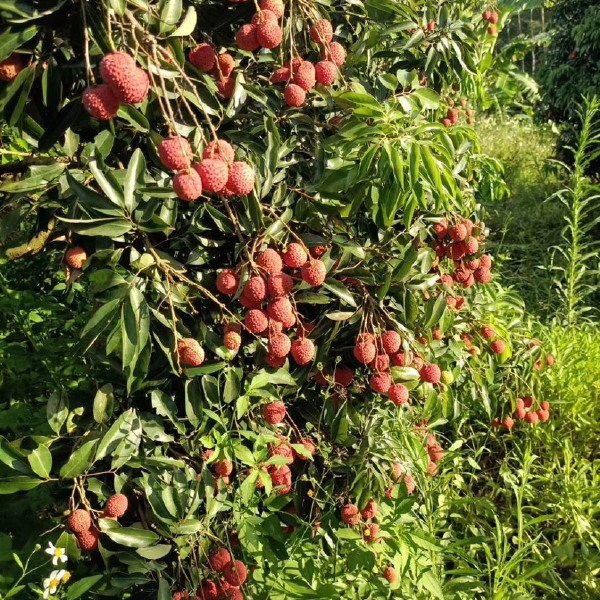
x=66 y=577
x=58 y=552
x=54 y=583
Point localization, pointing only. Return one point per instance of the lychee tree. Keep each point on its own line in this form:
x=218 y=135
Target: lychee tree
x=274 y=212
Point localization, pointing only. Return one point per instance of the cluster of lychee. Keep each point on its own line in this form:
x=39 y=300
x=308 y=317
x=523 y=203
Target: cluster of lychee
x=300 y=76
x=220 y=66
x=526 y=412
x=491 y=17
x=453 y=113
x=266 y=294
x=217 y=172
x=81 y=522
x=124 y=83
x=496 y=346
x=10 y=67
x=353 y=516
x=229 y=575
x=264 y=30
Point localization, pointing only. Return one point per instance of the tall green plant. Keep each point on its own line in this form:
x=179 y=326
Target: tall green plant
x=578 y=278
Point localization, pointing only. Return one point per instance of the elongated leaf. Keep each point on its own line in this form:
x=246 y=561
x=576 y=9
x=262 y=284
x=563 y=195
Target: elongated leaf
x=80 y=460
x=132 y=537
x=117 y=432
x=107 y=184
x=188 y=24
x=135 y=173
x=40 y=461
x=21 y=483
x=79 y=587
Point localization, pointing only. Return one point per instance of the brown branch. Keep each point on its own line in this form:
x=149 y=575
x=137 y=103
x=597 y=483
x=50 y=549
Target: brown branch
x=35 y=245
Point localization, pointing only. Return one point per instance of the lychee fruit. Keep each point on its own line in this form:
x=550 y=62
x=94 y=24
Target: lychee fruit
x=221 y=150
x=270 y=261
x=207 y=591
x=255 y=289
x=389 y=573
x=246 y=38
x=457 y=232
x=531 y=417
x=279 y=345
x=265 y=16
x=203 y=57
x=314 y=272
x=304 y=75
x=487 y=332
x=116 y=506
x=219 y=559
x=364 y=352
x=497 y=346
x=232 y=340
x=224 y=66
x=281 y=75
x=294 y=95
x=187 y=185
x=325 y=72
x=390 y=341
x=241 y=178
x=269 y=34
x=303 y=351
x=256 y=321
x=485 y=261
x=100 y=101
x=322 y=32
x=182 y=595
x=277 y=7
x=75 y=257
x=280 y=309
x=370 y=533
x=116 y=69
x=350 y=514
x=223 y=467
x=343 y=376
x=441 y=228
x=508 y=423
x=370 y=510
x=398 y=394
x=294 y=255
x=334 y=52
x=213 y=173
x=227 y=282
x=79 y=521
x=225 y=89
x=430 y=373
x=135 y=89
x=471 y=246
x=10 y=67
x=88 y=540
x=275 y=361
x=175 y=153
x=381 y=382
x=274 y=412
x=281 y=477
x=380 y=363
x=482 y=275
x=191 y=353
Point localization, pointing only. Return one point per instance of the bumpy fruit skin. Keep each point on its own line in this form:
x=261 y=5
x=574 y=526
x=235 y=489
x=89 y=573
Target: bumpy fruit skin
x=255 y=289
x=436 y=452
x=281 y=75
x=281 y=477
x=471 y=246
x=88 y=540
x=256 y=321
x=364 y=352
x=303 y=351
x=227 y=282
x=370 y=510
x=265 y=16
x=116 y=505
x=79 y=521
x=410 y=484
x=10 y=67
x=398 y=394
x=304 y=76
x=508 y=423
x=269 y=34
x=322 y=32
x=430 y=373
x=246 y=38
x=343 y=376
x=531 y=418
x=277 y=7
x=224 y=65
x=241 y=178
x=482 y=275
x=279 y=345
x=175 y=153
x=274 y=412
x=116 y=68
x=284 y=450
x=225 y=87
x=203 y=57
x=485 y=261
x=497 y=346
x=457 y=232
x=180 y=595
x=223 y=467
x=280 y=284
x=207 y=590
x=100 y=101
x=280 y=309
x=187 y=185
x=326 y=72
x=487 y=332
x=370 y=533
x=390 y=340
x=213 y=173
x=219 y=559
x=314 y=272
x=350 y=514
x=389 y=573
x=335 y=52
x=381 y=382
x=294 y=256
x=191 y=353
x=270 y=261
x=380 y=363
x=75 y=257
x=232 y=340
x=221 y=150
x=294 y=95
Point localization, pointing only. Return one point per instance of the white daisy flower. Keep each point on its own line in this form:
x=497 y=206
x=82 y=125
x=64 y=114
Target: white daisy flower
x=58 y=554
x=51 y=583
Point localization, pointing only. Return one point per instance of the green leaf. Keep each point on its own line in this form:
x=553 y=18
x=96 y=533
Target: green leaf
x=164 y=589
x=340 y=290
x=112 y=228
x=107 y=183
x=41 y=461
x=434 y=311
x=134 y=175
x=117 y=432
x=81 y=586
x=154 y=552
x=101 y=319
x=10 y=40
x=103 y=403
x=188 y=24
x=132 y=537
x=81 y=460
x=91 y=201
x=57 y=411
x=36 y=181
x=12 y=457
x=20 y=483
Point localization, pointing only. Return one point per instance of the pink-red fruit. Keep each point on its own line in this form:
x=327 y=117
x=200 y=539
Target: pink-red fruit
x=294 y=95
x=241 y=178
x=191 y=353
x=187 y=185
x=79 y=521
x=322 y=32
x=100 y=101
x=295 y=256
x=116 y=505
x=75 y=257
x=314 y=272
x=175 y=153
x=303 y=351
x=213 y=173
x=203 y=57
x=274 y=412
x=430 y=373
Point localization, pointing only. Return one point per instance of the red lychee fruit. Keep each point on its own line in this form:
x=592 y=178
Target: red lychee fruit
x=136 y=88
x=441 y=228
x=314 y=272
x=486 y=261
x=270 y=261
x=430 y=373
x=255 y=289
x=224 y=66
x=256 y=321
x=203 y=57
x=457 y=232
x=191 y=353
x=225 y=89
x=322 y=32
x=482 y=275
x=274 y=412
x=281 y=75
x=303 y=351
x=281 y=477
x=309 y=446
x=304 y=75
x=207 y=591
x=317 y=251
x=508 y=423
x=364 y=352
x=241 y=178
x=277 y=7
x=410 y=484
x=100 y=101
x=381 y=382
x=545 y=405
x=549 y=360
x=472 y=264
x=456 y=251
x=88 y=540
x=334 y=52
x=279 y=285
x=325 y=72
x=370 y=533
x=436 y=452
x=380 y=363
x=294 y=256
x=187 y=185
x=461 y=275
x=399 y=359
x=471 y=246
x=275 y=361
x=446 y=122
x=497 y=346
x=116 y=68
x=75 y=257
x=531 y=418
x=390 y=341
x=283 y=450
x=236 y=594
x=213 y=173
x=116 y=506
x=246 y=38
x=520 y=413
x=398 y=394
x=269 y=34
x=487 y=332
x=370 y=510
x=232 y=340
x=181 y=595
x=219 y=559
x=279 y=345
x=79 y=521
x=350 y=514
x=343 y=376
x=223 y=467
x=175 y=153
x=10 y=67
x=227 y=282
x=280 y=309
x=265 y=16
x=221 y=150
x=389 y=573
x=491 y=30
x=294 y=95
